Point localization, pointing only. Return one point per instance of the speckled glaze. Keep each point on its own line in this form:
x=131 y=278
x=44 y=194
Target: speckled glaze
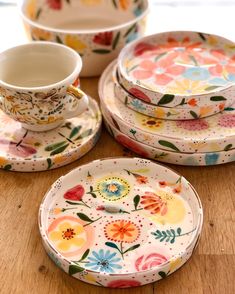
x=25 y=151
x=188 y=159
x=212 y=134
x=45 y=20
x=112 y=222
x=173 y=68
x=171 y=113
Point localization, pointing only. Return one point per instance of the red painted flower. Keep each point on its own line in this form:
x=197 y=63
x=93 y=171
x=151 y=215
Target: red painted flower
x=75 y=193
x=123 y=284
x=143 y=48
x=192 y=102
x=149 y=261
x=104 y=39
x=55 y=4
x=132 y=145
x=139 y=94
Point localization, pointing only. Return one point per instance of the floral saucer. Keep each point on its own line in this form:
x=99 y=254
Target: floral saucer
x=172 y=68
x=120 y=222
x=211 y=134
x=26 y=151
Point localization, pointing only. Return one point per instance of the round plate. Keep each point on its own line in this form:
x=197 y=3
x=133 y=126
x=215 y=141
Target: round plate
x=26 y=151
x=120 y=222
x=172 y=68
x=191 y=159
x=171 y=113
x=211 y=134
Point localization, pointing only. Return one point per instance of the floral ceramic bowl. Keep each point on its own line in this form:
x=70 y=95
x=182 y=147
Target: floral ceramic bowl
x=96 y=29
x=173 y=68
x=120 y=222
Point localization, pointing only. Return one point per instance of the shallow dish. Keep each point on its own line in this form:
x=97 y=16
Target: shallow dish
x=212 y=134
x=113 y=222
x=26 y=151
x=172 y=68
x=97 y=30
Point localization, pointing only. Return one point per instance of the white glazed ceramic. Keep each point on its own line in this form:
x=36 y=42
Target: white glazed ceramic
x=212 y=134
x=120 y=222
x=188 y=159
x=96 y=29
x=26 y=151
x=172 y=68
x=36 y=85
x=171 y=113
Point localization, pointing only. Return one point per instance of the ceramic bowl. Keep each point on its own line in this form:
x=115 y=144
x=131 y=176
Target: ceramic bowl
x=211 y=134
x=120 y=222
x=173 y=68
x=96 y=29
x=171 y=113
x=188 y=159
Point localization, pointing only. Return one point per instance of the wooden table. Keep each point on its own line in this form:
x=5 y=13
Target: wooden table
x=25 y=267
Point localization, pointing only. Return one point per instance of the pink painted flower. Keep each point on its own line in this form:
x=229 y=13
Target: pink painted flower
x=222 y=63
x=227 y=121
x=139 y=94
x=104 y=39
x=55 y=4
x=149 y=261
x=161 y=70
x=123 y=284
x=130 y=144
x=193 y=125
x=76 y=193
x=154 y=203
x=19 y=149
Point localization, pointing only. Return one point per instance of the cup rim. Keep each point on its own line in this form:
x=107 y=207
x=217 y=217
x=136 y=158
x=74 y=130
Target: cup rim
x=82 y=32
x=67 y=80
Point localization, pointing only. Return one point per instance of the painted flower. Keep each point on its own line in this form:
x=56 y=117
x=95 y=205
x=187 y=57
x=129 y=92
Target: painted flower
x=69 y=236
x=162 y=70
x=75 y=43
x=124 y=4
x=122 y=231
x=193 y=125
x=104 y=39
x=154 y=203
x=132 y=145
x=196 y=73
x=227 y=121
x=148 y=122
x=137 y=105
x=123 y=284
x=143 y=48
x=3 y=161
x=149 y=261
x=159 y=112
x=141 y=179
x=40 y=34
x=205 y=111
x=139 y=94
x=223 y=64
x=19 y=149
x=103 y=261
x=31 y=9
x=192 y=102
x=113 y=188
x=76 y=193
x=55 y=4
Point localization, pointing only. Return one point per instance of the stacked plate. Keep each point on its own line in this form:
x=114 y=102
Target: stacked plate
x=170 y=97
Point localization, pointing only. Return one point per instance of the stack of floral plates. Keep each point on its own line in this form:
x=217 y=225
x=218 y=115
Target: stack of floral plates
x=170 y=97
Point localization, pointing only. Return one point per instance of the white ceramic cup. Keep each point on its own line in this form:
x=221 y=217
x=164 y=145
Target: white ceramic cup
x=36 y=85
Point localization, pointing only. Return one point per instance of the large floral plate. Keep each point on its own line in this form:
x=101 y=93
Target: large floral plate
x=191 y=159
x=172 y=68
x=211 y=134
x=120 y=222
x=26 y=151
x=182 y=112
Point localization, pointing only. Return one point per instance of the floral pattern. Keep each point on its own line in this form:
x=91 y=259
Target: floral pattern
x=227 y=121
x=130 y=144
x=193 y=125
x=105 y=38
x=149 y=261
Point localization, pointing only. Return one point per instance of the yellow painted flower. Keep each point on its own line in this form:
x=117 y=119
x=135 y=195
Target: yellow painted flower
x=90 y=278
x=49 y=120
x=91 y=2
x=57 y=210
x=148 y=122
x=175 y=264
x=40 y=34
x=59 y=159
x=31 y=9
x=212 y=40
x=3 y=161
x=205 y=110
x=75 y=43
x=186 y=86
x=160 y=113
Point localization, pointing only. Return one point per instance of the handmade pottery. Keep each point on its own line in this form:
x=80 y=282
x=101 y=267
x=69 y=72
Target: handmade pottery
x=26 y=151
x=212 y=134
x=191 y=159
x=120 y=222
x=97 y=30
x=173 y=68
x=171 y=113
x=36 y=85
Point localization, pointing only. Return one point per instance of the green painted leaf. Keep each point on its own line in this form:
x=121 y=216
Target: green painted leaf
x=228 y=147
x=49 y=163
x=201 y=35
x=179 y=231
x=54 y=146
x=218 y=98
x=93 y=195
x=163 y=275
x=182 y=102
x=75 y=131
x=58 y=40
x=7 y=167
x=116 y=40
x=167 y=98
x=59 y=150
x=71 y=203
x=84 y=134
x=132 y=248
x=101 y=51
x=136 y=201
x=74 y=269
x=85 y=254
x=168 y=145
x=132 y=28
x=84 y=217
x=193 y=60
x=112 y=245
x=159 y=56
x=210 y=88
x=229 y=109
x=194 y=115
x=126 y=100
x=38 y=13
x=115 y=3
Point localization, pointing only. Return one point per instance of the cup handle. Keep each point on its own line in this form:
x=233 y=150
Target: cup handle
x=82 y=104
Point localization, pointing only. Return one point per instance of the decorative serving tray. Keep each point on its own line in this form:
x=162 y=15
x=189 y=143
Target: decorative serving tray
x=120 y=222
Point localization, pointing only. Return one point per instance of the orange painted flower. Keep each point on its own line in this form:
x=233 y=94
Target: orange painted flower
x=122 y=231
x=221 y=106
x=154 y=203
x=124 y=4
x=141 y=179
x=192 y=102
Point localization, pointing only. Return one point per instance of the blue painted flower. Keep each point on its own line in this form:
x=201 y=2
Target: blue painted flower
x=196 y=73
x=223 y=82
x=132 y=37
x=113 y=188
x=55 y=259
x=211 y=158
x=137 y=104
x=103 y=261
x=138 y=11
